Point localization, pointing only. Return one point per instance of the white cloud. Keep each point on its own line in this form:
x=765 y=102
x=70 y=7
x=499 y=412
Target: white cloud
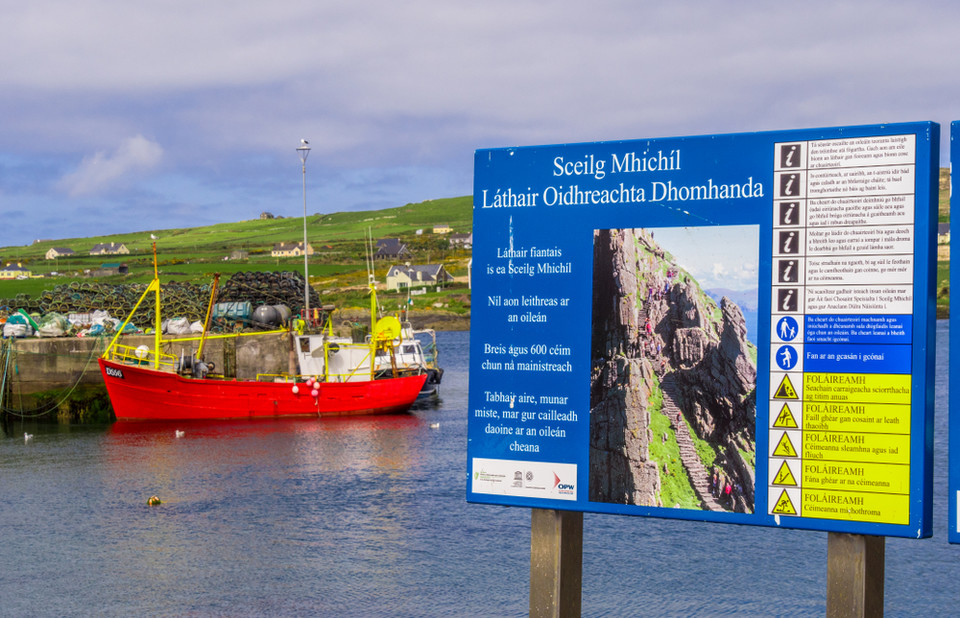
x=101 y=172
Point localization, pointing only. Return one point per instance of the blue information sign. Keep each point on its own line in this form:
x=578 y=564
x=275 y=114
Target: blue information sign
x=731 y=328
x=953 y=494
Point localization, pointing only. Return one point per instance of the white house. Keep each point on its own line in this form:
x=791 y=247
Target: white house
x=404 y=276
x=109 y=248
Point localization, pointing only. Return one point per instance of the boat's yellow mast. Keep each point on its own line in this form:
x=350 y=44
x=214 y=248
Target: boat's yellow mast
x=157 y=334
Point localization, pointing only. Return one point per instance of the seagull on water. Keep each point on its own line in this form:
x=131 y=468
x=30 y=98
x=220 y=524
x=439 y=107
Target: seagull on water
x=27 y=437
x=179 y=433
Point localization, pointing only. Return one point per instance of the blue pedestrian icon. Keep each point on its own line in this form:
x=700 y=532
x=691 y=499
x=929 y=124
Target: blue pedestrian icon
x=787 y=357
x=787 y=328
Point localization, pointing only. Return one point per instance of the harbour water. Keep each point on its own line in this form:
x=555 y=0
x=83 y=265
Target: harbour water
x=367 y=517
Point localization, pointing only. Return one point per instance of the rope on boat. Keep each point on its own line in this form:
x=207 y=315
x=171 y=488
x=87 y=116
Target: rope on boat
x=95 y=352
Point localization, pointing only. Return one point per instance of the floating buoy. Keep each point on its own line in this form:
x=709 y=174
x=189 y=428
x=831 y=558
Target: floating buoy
x=434 y=425
x=309 y=381
x=154 y=501
x=315 y=392
x=295 y=389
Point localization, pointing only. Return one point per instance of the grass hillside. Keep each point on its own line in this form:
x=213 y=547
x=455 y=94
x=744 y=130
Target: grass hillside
x=194 y=254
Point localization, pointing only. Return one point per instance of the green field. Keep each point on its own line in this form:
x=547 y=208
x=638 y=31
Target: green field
x=195 y=254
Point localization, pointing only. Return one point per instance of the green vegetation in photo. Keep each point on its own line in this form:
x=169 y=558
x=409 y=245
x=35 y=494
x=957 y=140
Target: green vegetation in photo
x=705 y=451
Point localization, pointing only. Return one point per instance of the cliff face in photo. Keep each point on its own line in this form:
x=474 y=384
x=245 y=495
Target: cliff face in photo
x=656 y=333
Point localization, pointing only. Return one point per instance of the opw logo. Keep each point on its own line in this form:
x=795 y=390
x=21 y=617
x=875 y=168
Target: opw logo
x=564 y=488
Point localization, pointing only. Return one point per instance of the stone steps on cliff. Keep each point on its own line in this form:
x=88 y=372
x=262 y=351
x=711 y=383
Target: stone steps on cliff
x=699 y=477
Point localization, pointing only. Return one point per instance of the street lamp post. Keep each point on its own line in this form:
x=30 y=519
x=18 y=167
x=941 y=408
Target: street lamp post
x=304 y=150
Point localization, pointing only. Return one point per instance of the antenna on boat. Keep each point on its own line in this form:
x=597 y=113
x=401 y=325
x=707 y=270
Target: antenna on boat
x=371 y=281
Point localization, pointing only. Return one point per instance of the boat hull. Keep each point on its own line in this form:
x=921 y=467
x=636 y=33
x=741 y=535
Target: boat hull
x=143 y=393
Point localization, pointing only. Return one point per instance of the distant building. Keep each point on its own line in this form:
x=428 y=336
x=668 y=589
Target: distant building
x=110 y=268
x=442 y=229
x=266 y=215
x=239 y=255
x=464 y=241
x=109 y=248
x=391 y=249
x=14 y=271
x=407 y=276
x=288 y=249
x=56 y=252
x=943 y=233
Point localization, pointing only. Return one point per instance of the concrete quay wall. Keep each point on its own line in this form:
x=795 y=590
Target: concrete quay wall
x=40 y=364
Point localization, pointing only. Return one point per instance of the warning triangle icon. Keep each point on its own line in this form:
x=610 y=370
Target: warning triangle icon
x=786 y=390
x=786 y=419
x=784 y=505
x=785 y=476
x=785 y=447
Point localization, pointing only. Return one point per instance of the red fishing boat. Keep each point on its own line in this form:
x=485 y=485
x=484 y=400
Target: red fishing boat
x=141 y=392
x=147 y=384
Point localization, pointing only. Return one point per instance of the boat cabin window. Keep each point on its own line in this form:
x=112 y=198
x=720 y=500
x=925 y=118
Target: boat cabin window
x=409 y=349
x=305 y=344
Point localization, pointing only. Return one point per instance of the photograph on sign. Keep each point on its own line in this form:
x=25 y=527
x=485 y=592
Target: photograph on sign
x=728 y=328
x=673 y=368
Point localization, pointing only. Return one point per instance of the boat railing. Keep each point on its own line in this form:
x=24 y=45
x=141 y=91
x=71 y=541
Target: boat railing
x=140 y=356
x=362 y=368
x=299 y=379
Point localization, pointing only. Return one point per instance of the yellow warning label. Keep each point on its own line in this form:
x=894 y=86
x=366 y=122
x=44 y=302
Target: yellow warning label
x=846 y=476
x=865 y=417
x=785 y=390
x=852 y=506
x=785 y=476
x=872 y=447
x=785 y=419
x=784 y=505
x=856 y=387
x=785 y=447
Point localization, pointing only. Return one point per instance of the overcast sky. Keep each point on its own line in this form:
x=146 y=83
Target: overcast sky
x=119 y=116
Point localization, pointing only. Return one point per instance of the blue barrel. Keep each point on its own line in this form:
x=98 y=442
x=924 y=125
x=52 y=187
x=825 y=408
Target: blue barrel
x=239 y=310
